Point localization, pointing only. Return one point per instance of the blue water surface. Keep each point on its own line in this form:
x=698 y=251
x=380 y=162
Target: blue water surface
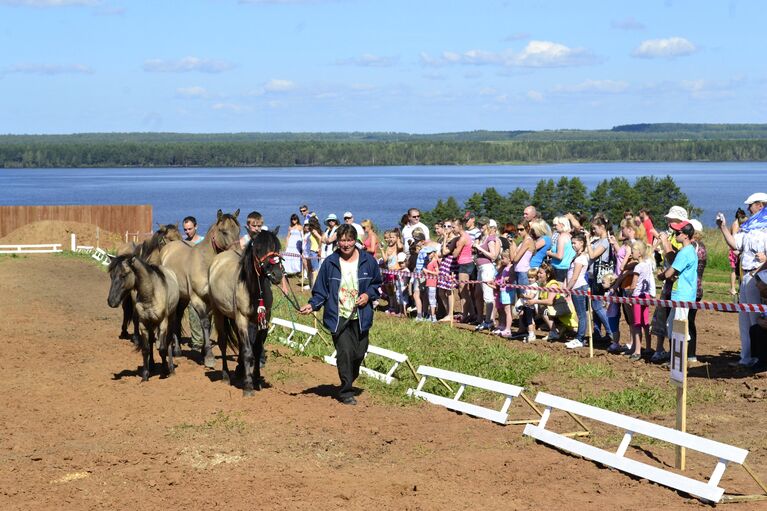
x=382 y=194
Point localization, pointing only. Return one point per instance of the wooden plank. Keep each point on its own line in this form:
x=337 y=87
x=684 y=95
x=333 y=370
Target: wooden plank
x=294 y=326
x=473 y=381
x=699 y=489
x=461 y=406
x=383 y=352
x=670 y=435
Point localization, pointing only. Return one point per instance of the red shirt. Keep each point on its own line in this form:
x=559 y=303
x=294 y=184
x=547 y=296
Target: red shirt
x=648 y=228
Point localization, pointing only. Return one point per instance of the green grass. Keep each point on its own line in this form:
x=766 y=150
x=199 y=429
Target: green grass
x=9 y=257
x=639 y=400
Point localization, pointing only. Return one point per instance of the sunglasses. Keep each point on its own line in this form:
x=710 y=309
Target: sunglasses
x=447 y=226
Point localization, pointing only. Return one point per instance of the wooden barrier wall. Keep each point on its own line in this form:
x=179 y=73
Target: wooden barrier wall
x=114 y=218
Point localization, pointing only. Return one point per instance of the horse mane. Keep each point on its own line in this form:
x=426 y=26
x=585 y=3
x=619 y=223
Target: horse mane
x=261 y=243
x=152 y=269
x=148 y=246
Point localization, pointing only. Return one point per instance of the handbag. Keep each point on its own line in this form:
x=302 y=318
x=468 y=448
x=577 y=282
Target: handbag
x=602 y=268
x=559 y=308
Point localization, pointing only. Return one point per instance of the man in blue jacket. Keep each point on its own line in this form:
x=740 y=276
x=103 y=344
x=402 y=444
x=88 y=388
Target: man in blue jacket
x=346 y=286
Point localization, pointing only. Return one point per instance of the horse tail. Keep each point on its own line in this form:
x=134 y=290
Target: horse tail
x=233 y=335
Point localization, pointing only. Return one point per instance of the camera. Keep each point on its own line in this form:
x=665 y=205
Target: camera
x=719 y=218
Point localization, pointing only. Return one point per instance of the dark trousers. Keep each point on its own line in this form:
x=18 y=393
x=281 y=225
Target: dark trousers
x=692 y=344
x=758 y=337
x=351 y=346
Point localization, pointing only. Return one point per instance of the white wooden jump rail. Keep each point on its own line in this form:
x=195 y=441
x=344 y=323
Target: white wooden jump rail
x=45 y=248
x=101 y=256
x=84 y=249
x=388 y=377
x=293 y=328
x=501 y=416
x=708 y=491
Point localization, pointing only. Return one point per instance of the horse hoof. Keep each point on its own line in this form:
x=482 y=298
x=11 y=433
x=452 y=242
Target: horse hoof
x=225 y=378
x=125 y=335
x=248 y=393
x=210 y=361
x=176 y=352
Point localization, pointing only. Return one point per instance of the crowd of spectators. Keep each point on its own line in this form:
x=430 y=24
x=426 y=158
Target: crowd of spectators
x=467 y=270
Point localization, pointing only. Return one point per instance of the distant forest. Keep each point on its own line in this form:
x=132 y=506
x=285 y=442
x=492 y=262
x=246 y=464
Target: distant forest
x=637 y=142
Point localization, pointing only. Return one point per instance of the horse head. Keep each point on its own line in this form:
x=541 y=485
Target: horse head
x=225 y=232
x=122 y=279
x=167 y=233
x=265 y=253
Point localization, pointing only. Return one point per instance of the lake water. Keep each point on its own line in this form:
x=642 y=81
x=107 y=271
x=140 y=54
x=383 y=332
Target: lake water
x=382 y=194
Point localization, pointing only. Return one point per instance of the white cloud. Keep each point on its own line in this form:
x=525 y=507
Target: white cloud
x=194 y=91
x=709 y=89
x=534 y=95
x=629 y=23
x=276 y=85
x=368 y=60
x=664 y=48
x=535 y=54
x=49 y=69
x=51 y=3
x=230 y=107
x=187 y=64
x=602 y=86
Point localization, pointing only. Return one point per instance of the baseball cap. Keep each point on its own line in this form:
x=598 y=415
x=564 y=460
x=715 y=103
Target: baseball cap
x=676 y=213
x=492 y=223
x=429 y=249
x=696 y=225
x=348 y=214
x=756 y=197
x=331 y=216
x=677 y=226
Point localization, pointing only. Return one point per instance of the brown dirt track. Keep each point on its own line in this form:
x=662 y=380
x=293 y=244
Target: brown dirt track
x=78 y=430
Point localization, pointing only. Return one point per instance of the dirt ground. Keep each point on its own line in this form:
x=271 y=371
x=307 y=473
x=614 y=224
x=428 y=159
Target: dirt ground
x=79 y=431
x=59 y=231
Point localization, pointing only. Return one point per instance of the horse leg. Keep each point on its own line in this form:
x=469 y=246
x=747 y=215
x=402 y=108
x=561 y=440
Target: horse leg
x=166 y=346
x=146 y=350
x=174 y=329
x=246 y=354
x=223 y=338
x=258 y=350
x=202 y=312
x=134 y=317
x=127 y=316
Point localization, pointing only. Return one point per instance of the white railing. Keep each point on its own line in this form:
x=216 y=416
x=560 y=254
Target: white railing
x=44 y=248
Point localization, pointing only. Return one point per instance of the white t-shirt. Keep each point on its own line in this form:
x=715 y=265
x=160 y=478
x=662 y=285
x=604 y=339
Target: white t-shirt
x=407 y=233
x=349 y=288
x=751 y=243
x=583 y=260
x=645 y=279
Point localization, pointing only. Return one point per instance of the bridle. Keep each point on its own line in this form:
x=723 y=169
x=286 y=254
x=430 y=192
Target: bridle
x=272 y=258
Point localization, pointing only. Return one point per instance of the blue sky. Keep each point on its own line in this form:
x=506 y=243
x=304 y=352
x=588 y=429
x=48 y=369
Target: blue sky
x=419 y=66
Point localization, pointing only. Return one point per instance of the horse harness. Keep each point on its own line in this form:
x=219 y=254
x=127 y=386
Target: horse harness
x=273 y=258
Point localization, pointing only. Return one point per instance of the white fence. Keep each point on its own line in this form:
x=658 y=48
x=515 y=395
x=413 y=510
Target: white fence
x=45 y=248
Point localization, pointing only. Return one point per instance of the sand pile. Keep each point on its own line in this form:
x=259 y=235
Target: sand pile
x=58 y=231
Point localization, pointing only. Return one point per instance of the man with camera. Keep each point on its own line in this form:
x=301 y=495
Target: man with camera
x=751 y=242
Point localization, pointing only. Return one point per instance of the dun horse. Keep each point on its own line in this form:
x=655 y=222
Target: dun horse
x=191 y=263
x=241 y=293
x=156 y=290
x=150 y=250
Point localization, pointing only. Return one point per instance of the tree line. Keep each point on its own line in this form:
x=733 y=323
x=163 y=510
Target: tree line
x=550 y=198
x=31 y=154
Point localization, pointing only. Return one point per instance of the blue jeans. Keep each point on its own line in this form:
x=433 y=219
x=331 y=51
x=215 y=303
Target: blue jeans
x=522 y=280
x=600 y=315
x=582 y=311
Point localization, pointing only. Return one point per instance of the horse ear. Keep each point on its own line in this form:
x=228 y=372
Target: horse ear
x=111 y=257
x=219 y=214
x=159 y=225
x=177 y=222
x=236 y=213
x=276 y=231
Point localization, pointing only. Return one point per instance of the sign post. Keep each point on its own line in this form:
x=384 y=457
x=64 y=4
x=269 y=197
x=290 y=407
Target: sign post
x=678 y=375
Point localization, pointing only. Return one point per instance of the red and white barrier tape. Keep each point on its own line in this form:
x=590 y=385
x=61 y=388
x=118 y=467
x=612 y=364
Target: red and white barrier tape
x=715 y=306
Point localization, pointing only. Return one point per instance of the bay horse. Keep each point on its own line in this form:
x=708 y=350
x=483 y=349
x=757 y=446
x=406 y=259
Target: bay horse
x=150 y=250
x=241 y=293
x=156 y=301
x=190 y=263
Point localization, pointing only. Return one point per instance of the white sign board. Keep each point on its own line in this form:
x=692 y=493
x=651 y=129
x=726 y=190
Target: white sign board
x=679 y=352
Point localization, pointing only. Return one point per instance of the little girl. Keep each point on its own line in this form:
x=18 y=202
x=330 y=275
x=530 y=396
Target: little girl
x=504 y=293
x=528 y=309
x=644 y=288
x=576 y=280
x=432 y=272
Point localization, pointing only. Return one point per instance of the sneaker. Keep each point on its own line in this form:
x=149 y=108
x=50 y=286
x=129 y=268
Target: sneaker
x=349 y=400
x=484 y=326
x=418 y=318
x=433 y=319
x=505 y=333
x=553 y=335
x=574 y=344
x=530 y=338
x=497 y=331
x=660 y=357
x=635 y=357
x=306 y=288
x=614 y=348
x=692 y=360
